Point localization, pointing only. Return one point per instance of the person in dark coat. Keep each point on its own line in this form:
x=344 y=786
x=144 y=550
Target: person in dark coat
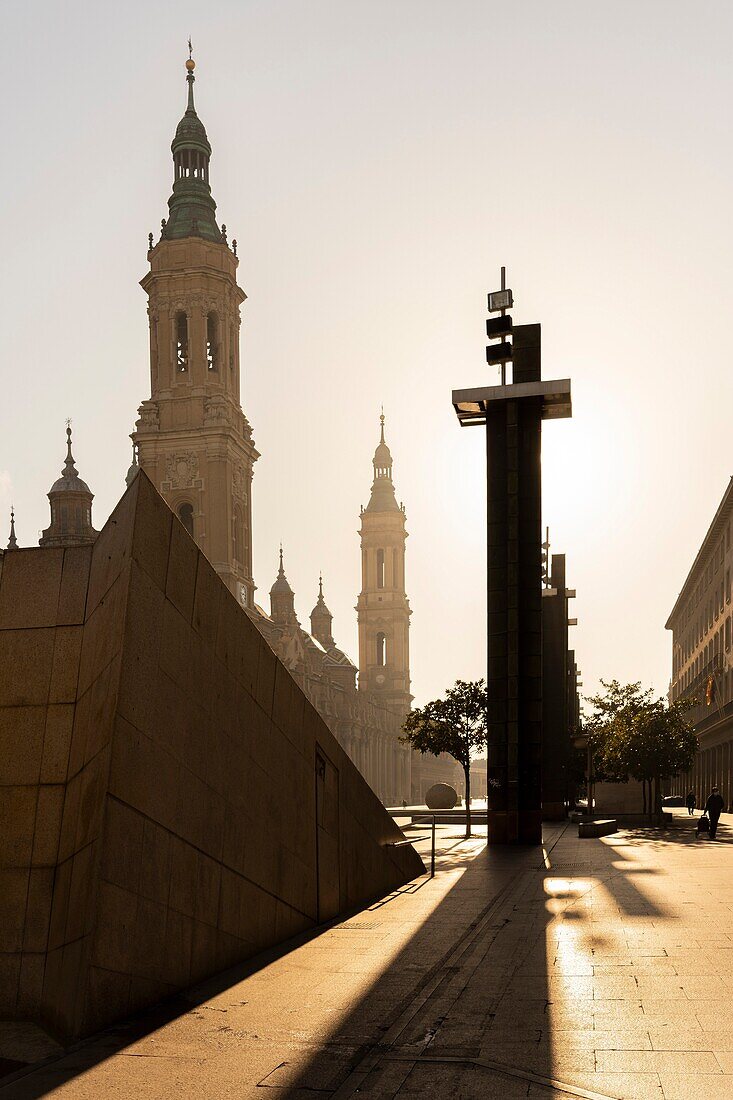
x=714 y=808
x=691 y=802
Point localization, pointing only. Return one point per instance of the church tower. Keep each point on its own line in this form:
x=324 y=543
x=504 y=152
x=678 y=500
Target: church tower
x=383 y=608
x=192 y=438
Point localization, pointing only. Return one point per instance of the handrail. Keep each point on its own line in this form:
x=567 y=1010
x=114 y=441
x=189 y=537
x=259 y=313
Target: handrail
x=402 y=843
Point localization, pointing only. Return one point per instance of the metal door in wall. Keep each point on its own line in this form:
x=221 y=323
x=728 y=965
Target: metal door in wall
x=327 y=836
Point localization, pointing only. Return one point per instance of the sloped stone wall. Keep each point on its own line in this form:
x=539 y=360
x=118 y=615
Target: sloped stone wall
x=184 y=806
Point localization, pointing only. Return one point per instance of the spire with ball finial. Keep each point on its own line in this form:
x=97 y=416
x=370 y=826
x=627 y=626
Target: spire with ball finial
x=192 y=207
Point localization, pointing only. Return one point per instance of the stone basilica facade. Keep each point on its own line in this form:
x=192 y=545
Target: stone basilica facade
x=195 y=443
x=367 y=719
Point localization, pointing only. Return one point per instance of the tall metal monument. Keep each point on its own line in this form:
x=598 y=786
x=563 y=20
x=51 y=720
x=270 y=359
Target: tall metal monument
x=512 y=414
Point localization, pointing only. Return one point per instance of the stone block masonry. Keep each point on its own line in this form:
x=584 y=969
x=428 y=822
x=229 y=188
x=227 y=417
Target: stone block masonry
x=171 y=802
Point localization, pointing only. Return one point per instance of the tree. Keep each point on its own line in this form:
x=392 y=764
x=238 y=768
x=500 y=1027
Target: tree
x=653 y=744
x=615 y=700
x=635 y=735
x=456 y=724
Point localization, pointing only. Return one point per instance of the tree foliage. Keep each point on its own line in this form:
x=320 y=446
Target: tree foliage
x=632 y=734
x=456 y=724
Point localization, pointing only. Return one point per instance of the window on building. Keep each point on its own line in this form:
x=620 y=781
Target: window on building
x=231 y=347
x=727 y=633
x=185 y=514
x=212 y=342
x=381 y=650
x=380 y=568
x=181 y=342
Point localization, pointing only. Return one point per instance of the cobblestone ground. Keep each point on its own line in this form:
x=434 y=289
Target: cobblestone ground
x=596 y=968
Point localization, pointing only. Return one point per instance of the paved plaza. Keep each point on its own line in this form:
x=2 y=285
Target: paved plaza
x=596 y=968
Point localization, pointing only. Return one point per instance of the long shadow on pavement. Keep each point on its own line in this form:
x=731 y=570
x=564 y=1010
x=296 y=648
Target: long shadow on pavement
x=509 y=986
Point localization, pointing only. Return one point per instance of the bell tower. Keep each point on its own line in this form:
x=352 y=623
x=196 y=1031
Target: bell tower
x=192 y=437
x=383 y=609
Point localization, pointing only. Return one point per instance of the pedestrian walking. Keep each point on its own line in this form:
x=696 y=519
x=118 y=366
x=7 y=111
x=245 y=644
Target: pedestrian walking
x=714 y=808
x=691 y=803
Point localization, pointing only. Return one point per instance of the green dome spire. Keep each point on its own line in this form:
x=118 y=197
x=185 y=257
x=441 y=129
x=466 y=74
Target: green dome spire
x=192 y=208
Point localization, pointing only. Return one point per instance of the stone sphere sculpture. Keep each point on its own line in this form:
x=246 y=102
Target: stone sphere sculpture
x=441 y=796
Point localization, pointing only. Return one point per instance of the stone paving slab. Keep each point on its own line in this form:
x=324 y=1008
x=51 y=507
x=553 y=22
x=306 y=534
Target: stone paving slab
x=600 y=969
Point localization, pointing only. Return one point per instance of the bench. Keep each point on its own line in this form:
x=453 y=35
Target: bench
x=599 y=827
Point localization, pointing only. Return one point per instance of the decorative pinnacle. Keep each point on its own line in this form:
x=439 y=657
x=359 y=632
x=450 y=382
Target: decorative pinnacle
x=12 y=541
x=381 y=421
x=69 y=469
x=320 y=586
x=281 y=570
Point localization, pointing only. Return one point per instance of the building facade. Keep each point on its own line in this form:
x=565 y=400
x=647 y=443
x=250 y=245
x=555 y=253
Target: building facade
x=702 y=658
x=192 y=437
x=363 y=725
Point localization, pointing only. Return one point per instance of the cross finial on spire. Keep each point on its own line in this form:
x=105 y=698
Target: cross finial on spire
x=190 y=49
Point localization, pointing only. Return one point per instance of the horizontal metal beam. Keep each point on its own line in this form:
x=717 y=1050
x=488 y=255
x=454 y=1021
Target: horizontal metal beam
x=471 y=405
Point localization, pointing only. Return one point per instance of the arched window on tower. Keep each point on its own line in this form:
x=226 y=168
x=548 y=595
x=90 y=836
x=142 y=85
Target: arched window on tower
x=381 y=650
x=231 y=347
x=380 y=568
x=185 y=514
x=212 y=342
x=181 y=343
x=238 y=535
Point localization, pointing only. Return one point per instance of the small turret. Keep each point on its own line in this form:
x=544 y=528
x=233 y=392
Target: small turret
x=282 y=598
x=71 y=506
x=322 y=620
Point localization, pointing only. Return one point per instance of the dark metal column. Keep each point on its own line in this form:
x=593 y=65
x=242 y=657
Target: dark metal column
x=513 y=415
x=514 y=572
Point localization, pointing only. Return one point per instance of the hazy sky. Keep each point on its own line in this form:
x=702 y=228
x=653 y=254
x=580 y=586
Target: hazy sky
x=377 y=163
